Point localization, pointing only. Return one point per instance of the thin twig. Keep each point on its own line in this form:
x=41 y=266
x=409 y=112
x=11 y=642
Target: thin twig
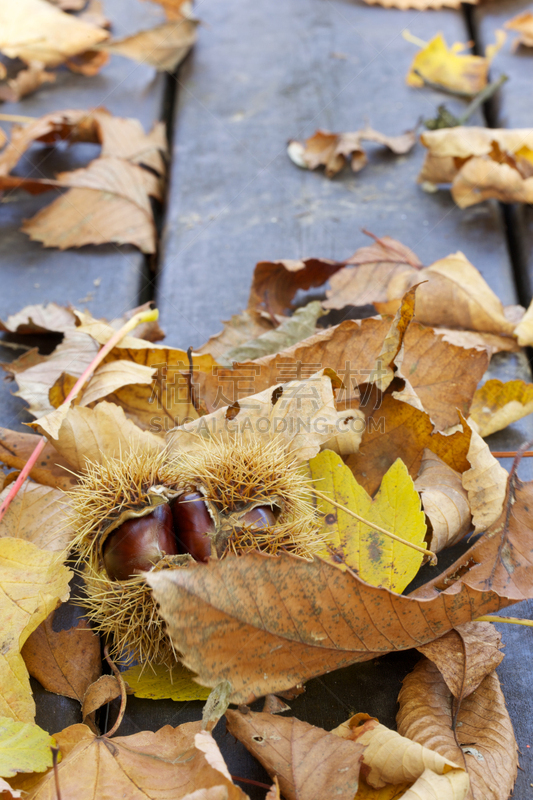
x=325 y=497
x=511 y=453
x=55 y=753
x=510 y=620
x=143 y=316
x=250 y=781
x=123 y=698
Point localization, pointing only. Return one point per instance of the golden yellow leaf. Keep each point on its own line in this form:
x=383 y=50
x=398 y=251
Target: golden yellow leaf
x=157 y=683
x=24 y=747
x=480 y=163
x=378 y=559
x=444 y=500
x=496 y=405
x=523 y=24
x=486 y=484
x=34 y=30
x=457 y=71
x=32 y=582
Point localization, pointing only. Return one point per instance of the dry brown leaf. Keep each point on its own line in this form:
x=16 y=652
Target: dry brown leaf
x=275 y=283
x=110 y=203
x=37 y=514
x=269 y=605
x=486 y=484
x=390 y=758
x=239 y=329
x=496 y=405
x=524 y=329
x=33 y=582
x=40 y=319
x=25 y=82
x=301 y=414
x=465 y=656
x=163 y=47
x=15 y=450
x=490 y=341
x=170 y=764
x=104 y=689
x=65 y=662
x=93 y=434
x=93 y=13
x=480 y=163
x=334 y=150
x=375 y=273
x=309 y=762
x=34 y=30
x=88 y=63
x=106 y=380
x=483 y=738
x=398 y=430
x=523 y=24
x=444 y=500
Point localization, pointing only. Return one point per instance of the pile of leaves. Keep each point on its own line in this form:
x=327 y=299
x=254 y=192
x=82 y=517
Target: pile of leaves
x=386 y=416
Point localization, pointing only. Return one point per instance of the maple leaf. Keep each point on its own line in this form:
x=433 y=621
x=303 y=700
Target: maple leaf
x=483 y=740
x=32 y=581
x=480 y=163
x=377 y=559
x=333 y=150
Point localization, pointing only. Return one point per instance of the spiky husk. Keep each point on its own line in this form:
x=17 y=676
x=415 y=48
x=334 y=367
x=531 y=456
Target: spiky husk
x=234 y=474
x=231 y=476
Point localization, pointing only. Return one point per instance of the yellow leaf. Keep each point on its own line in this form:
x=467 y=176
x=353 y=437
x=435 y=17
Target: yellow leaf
x=157 y=683
x=24 y=747
x=449 y=67
x=378 y=559
x=496 y=405
x=32 y=581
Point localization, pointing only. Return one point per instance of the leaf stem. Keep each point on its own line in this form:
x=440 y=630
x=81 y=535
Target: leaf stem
x=55 y=754
x=511 y=453
x=510 y=620
x=325 y=497
x=122 y=685
x=143 y=316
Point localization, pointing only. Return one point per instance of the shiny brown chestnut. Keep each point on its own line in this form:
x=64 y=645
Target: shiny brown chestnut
x=258 y=518
x=192 y=524
x=138 y=544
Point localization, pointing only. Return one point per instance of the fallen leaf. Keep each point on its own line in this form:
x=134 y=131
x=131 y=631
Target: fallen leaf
x=157 y=682
x=88 y=63
x=394 y=430
x=34 y=30
x=8 y=791
x=419 y=5
x=275 y=283
x=24 y=747
x=33 y=581
x=15 y=450
x=163 y=47
x=480 y=163
x=93 y=12
x=444 y=500
x=449 y=67
x=166 y=765
x=390 y=758
x=372 y=275
x=523 y=24
x=106 y=380
x=486 y=484
x=496 y=405
x=93 y=434
x=334 y=150
x=238 y=330
x=481 y=737
x=465 y=656
x=25 y=82
x=490 y=341
x=46 y=318
x=104 y=689
x=37 y=515
x=309 y=762
x=376 y=558
x=65 y=662
x=524 y=329
x=290 y=331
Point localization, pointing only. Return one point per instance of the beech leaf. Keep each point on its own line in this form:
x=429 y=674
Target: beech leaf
x=377 y=559
x=482 y=737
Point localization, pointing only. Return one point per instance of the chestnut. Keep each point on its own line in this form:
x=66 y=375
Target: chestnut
x=192 y=524
x=140 y=543
x=258 y=518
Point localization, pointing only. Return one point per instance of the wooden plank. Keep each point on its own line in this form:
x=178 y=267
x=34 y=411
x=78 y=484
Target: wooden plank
x=257 y=79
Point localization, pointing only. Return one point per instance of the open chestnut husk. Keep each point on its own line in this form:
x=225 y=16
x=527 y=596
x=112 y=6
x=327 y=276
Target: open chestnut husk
x=149 y=511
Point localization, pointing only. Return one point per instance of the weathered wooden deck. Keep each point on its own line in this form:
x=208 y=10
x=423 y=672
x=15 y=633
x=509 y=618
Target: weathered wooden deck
x=260 y=74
